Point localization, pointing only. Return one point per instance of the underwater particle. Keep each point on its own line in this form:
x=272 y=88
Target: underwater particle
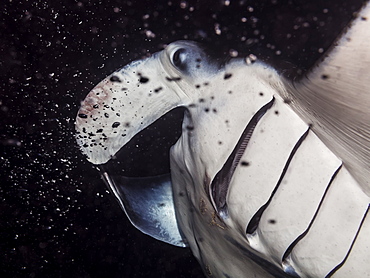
x=217 y=29
x=149 y=34
x=251 y=59
x=183 y=4
x=233 y=53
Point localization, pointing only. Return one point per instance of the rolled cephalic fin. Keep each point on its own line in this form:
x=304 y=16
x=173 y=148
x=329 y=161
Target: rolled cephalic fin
x=122 y=105
x=133 y=97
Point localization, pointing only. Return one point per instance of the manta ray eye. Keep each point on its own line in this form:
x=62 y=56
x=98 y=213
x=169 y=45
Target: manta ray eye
x=179 y=58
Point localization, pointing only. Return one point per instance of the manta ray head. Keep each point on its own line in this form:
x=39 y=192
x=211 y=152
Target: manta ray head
x=249 y=175
x=214 y=135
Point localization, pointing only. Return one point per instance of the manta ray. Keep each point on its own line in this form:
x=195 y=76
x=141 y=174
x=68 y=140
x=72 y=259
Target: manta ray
x=270 y=176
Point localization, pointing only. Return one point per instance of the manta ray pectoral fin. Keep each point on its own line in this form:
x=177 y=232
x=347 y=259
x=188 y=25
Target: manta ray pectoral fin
x=335 y=98
x=148 y=203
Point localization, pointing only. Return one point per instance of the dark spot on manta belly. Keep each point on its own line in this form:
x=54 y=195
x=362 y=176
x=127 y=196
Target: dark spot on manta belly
x=271 y=221
x=115 y=78
x=116 y=124
x=99 y=130
x=324 y=76
x=244 y=163
x=227 y=75
x=143 y=79
x=84 y=116
x=158 y=90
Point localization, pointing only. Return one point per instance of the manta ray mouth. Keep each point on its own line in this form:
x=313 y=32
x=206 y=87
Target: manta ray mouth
x=142 y=186
x=147 y=153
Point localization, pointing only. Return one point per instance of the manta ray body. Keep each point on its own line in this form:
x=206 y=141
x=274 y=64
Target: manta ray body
x=270 y=177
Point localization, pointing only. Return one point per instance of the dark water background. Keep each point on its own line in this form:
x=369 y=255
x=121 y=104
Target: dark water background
x=56 y=217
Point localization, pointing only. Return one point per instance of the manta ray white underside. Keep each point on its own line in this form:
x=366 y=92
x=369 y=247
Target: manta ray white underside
x=270 y=177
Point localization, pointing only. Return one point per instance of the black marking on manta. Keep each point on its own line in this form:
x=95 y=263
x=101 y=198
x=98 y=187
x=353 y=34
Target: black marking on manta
x=115 y=78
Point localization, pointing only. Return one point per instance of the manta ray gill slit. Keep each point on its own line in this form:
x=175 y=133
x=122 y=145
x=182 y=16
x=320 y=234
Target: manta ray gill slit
x=254 y=222
x=221 y=182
